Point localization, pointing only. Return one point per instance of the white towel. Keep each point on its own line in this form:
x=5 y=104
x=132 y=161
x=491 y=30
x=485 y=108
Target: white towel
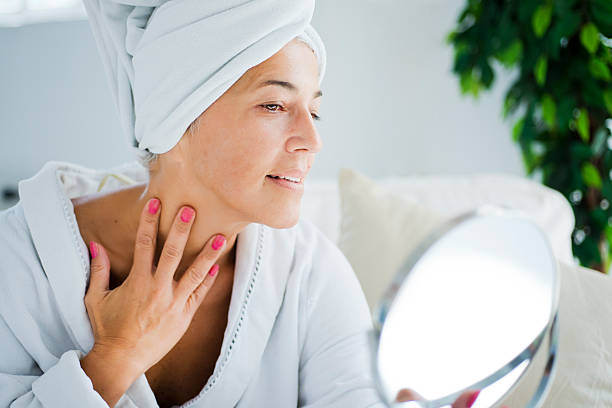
x=169 y=60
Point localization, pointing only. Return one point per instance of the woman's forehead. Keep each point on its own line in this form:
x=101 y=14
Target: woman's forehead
x=294 y=68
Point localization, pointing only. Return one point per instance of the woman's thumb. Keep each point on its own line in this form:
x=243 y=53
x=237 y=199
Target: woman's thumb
x=466 y=399
x=99 y=267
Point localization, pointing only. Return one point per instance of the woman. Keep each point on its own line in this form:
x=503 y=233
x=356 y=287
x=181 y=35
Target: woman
x=203 y=287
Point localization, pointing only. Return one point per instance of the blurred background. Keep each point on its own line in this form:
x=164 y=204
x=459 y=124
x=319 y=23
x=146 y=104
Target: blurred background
x=391 y=104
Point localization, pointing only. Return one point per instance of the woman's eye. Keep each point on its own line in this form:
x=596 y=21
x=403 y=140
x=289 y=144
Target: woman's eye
x=271 y=104
x=314 y=115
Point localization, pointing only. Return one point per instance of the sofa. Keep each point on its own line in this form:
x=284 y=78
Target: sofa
x=377 y=222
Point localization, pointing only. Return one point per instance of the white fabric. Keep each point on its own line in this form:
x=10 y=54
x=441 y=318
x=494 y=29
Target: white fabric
x=450 y=195
x=297 y=322
x=168 y=60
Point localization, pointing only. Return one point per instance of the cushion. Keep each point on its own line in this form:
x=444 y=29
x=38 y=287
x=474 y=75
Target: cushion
x=320 y=204
x=417 y=199
x=379 y=228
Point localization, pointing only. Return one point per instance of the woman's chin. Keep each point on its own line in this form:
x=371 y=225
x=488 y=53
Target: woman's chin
x=282 y=221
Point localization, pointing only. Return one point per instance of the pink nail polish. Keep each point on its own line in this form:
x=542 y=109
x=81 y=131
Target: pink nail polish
x=153 y=206
x=218 y=242
x=186 y=214
x=472 y=399
x=93 y=249
x=213 y=271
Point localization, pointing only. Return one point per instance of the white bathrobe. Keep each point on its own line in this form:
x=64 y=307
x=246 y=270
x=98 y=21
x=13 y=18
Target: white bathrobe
x=297 y=322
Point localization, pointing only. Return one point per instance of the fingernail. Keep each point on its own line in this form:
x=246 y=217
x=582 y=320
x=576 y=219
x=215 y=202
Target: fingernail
x=218 y=242
x=186 y=214
x=472 y=399
x=213 y=271
x=93 y=249
x=153 y=206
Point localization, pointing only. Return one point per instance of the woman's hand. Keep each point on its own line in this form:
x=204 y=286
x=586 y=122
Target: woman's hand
x=465 y=400
x=137 y=323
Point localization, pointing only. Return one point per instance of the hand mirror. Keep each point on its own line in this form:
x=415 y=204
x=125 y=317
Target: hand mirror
x=469 y=310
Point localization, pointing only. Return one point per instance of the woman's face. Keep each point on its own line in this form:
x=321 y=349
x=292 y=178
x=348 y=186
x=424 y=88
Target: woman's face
x=252 y=131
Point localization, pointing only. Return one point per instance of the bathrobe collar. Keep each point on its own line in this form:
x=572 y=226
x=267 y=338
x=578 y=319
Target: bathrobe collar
x=256 y=298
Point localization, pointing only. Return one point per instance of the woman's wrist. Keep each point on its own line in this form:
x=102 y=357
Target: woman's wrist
x=110 y=372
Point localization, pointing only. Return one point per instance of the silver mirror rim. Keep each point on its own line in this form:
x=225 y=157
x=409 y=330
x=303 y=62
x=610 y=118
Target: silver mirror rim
x=384 y=305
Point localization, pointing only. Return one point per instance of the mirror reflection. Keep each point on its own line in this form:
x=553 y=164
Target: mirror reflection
x=467 y=278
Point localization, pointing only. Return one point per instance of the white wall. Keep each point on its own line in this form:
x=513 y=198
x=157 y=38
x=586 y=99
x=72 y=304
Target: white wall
x=391 y=105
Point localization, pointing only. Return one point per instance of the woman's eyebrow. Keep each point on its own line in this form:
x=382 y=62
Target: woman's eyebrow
x=286 y=85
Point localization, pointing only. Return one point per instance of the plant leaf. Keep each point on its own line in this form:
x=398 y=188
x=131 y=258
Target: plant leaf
x=517 y=129
x=599 y=69
x=465 y=81
x=601 y=11
x=565 y=108
x=474 y=84
x=589 y=36
x=549 y=110
x=486 y=73
x=582 y=122
x=539 y=71
x=510 y=104
x=590 y=175
x=606 y=190
x=607 y=95
x=608 y=232
x=541 y=19
x=509 y=56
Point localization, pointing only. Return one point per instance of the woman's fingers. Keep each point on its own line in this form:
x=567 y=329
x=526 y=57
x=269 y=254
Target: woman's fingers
x=99 y=272
x=466 y=400
x=406 y=394
x=146 y=238
x=197 y=280
x=175 y=244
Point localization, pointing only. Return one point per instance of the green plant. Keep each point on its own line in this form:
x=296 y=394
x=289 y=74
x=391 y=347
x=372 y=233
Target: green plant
x=561 y=99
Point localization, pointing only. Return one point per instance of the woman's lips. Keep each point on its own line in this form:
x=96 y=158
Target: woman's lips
x=291 y=185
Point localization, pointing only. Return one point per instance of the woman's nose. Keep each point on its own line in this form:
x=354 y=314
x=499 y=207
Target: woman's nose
x=306 y=135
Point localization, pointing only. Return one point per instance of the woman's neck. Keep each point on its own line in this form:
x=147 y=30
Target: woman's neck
x=112 y=219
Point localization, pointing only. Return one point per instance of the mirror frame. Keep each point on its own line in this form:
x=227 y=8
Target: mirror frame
x=551 y=331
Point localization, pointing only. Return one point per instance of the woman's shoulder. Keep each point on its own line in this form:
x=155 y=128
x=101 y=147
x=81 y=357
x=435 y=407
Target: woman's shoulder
x=15 y=238
x=307 y=241
x=332 y=302
x=28 y=303
x=314 y=255
x=321 y=247
x=21 y=269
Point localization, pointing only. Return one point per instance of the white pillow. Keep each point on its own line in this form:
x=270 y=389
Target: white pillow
x=454 y=194
x=379 y=229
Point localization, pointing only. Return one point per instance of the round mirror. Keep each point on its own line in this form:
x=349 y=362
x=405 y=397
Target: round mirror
x=468 y=310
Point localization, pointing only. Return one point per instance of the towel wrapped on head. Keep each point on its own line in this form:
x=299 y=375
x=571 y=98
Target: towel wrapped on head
x=169 y=60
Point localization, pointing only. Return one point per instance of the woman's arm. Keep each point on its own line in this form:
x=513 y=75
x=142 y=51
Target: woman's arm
x=108 y=373
x=23 y=384
x=39 y=362
x=335 y=365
